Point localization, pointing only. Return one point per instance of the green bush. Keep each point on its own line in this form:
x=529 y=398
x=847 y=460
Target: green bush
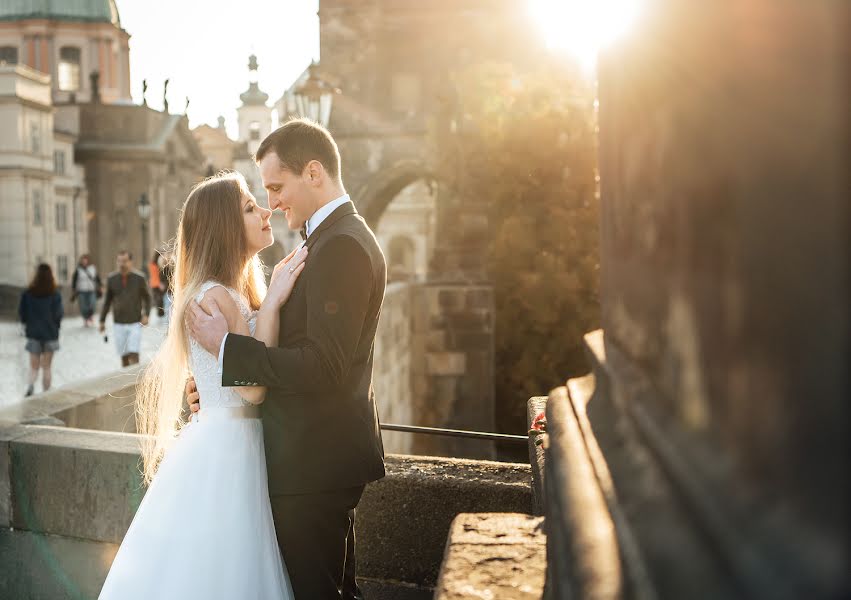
x=522 y=147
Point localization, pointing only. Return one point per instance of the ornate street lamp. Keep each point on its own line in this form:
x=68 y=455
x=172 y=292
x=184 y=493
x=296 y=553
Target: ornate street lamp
x=314 y=97
x=144 y=208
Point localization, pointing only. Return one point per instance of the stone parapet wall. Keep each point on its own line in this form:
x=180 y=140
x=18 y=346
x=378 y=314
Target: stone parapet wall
x=394 y=356
x=67 y=496
x=725 y=227
x=434 y=366
x=404 y=519
x=494 y=555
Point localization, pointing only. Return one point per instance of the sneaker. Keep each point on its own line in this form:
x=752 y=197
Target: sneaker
x=29 y=391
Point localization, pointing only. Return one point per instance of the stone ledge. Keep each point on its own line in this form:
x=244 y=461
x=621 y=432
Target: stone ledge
x=404 y=519
x=494 y=556
x=8 y=433
x=77 y=483
x=393 y=590
x=85 y=485
x=40 y=408
x=580 y=530
x=680 y=502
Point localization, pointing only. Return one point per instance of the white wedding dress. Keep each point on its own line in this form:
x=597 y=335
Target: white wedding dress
x=204 y=529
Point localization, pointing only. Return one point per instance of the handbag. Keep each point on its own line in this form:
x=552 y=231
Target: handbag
x=96 y=281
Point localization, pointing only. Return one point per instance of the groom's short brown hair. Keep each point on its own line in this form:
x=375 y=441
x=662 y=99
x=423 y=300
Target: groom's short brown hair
x=299 y=141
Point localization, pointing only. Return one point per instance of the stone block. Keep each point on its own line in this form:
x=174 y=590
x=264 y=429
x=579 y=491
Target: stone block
x=38 y=566
x=479 y=298
x=499 y=556
x=120 y=383
x=445 y=363
x=404 y=519
x=394 y=590
x=450 y=299
x=8 y=432
x=76 y=483
x=44 y=405
x=472 y=340
x=435 y=341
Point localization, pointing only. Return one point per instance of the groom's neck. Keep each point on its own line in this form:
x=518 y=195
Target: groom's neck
x=329 y=194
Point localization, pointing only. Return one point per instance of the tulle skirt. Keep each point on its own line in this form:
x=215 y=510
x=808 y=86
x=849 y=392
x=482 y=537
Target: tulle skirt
x=204 y=530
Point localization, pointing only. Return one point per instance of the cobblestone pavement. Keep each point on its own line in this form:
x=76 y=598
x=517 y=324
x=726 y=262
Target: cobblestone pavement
x=83 y=354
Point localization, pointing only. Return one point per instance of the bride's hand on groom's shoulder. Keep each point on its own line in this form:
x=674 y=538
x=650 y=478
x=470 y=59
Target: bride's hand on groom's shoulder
x=284 y=277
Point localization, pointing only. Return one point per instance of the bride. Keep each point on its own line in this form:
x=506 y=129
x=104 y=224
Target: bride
x=204 y=529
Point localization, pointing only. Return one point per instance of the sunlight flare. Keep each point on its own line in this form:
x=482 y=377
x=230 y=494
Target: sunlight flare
x=582 y=27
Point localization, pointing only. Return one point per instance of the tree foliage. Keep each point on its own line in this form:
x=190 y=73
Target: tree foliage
x=523 y=147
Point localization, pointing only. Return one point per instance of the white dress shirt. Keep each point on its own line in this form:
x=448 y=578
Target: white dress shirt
x=313 y=222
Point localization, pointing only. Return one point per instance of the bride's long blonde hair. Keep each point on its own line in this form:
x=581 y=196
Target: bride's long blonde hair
x=210 y=245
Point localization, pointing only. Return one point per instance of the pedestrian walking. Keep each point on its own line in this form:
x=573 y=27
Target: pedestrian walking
x=40 y=310
x=156 y=283
x=166 y=270
x=86 y=287
x=128 y=296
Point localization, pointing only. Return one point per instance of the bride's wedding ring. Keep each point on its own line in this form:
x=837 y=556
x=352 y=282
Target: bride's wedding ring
x=292 y=269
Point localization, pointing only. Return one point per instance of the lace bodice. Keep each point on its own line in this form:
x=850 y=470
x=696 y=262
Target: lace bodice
x=205 y=366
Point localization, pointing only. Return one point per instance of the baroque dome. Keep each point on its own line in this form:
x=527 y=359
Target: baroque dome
x=89 y=11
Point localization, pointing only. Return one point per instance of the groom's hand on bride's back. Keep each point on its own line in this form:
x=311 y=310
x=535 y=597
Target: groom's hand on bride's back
x=193 y=398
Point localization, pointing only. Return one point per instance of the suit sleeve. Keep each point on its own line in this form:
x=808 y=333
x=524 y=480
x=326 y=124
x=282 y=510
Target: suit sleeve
x=145 y=294
x=338 y=296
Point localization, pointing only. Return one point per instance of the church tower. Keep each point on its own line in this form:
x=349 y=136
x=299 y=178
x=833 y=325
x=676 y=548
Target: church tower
x=254 y=117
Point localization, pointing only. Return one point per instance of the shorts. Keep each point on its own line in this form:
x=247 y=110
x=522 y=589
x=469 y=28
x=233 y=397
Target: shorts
x=128 y=337
x=41 y=346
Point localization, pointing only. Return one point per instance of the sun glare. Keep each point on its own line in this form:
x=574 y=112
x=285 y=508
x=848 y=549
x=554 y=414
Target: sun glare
x=582 y=27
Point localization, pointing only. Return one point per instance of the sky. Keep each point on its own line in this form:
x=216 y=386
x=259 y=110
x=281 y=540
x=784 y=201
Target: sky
x=202 y=46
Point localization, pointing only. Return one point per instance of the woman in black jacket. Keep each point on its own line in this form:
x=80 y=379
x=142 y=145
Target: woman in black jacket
x=41 y=312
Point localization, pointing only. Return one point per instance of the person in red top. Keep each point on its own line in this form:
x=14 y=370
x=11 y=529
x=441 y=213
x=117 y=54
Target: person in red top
x=155 y=282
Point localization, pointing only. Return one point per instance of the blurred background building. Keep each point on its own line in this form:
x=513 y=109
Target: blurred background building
x=85 y=170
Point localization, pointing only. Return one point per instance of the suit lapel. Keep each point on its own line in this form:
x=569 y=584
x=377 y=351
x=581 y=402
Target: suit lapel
x=346 y=209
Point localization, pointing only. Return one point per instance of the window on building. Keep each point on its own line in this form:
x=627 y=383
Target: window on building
x=61 y=216
x=62 y=267
x=401 y=258
x=69 y=69
x=8 y=55
x=35 y=137
x=405 y=93
x=59 y=162
x=254 y=130
x=37 y=208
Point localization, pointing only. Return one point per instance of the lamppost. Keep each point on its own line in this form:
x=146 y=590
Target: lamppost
x=74 y=223
x=144 y=208
x=314 y=97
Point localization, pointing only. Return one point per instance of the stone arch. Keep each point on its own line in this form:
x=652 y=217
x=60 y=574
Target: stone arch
x=378 y=192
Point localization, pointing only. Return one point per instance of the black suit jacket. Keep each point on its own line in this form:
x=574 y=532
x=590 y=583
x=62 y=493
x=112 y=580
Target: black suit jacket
x=320 y=421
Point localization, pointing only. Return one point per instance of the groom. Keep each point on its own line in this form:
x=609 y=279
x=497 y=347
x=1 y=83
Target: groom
x=320 y=423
